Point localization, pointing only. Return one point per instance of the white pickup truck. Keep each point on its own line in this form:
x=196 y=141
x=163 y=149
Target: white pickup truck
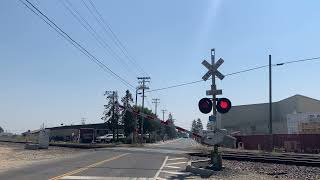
x=107 y=138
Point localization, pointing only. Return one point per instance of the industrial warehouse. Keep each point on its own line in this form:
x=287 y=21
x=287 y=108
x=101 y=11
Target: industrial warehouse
x=296 y=124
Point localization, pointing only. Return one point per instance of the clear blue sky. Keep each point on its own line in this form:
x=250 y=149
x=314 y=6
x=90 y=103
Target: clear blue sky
x=43 y=79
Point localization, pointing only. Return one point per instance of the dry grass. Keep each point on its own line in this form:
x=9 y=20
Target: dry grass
x=14 y=155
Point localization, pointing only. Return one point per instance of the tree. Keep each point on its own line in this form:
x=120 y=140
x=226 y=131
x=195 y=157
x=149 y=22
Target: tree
x=170 y=128
x=194 y=128
x=199 y=125
x=149 y=126
x=111 y=113
x=128 y=120
x=210 y=125
x=1 y=130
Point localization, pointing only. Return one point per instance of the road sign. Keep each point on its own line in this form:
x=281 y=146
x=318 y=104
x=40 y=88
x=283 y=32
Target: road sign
x=223 y=105
x=212 y=118
x=205 y=105
x=213 y=69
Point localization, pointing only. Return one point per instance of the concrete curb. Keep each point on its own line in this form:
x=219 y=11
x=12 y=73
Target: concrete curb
x=195 y=167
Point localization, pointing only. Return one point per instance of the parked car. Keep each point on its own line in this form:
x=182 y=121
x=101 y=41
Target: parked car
x=144 y=135
x=107 y=138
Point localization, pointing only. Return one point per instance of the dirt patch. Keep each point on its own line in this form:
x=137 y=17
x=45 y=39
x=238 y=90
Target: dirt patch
x=13 y=155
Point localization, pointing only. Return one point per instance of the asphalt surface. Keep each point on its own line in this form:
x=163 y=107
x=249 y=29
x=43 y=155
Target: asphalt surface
x=157 y=161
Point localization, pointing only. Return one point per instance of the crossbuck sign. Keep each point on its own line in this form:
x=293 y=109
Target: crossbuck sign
x=213 y=71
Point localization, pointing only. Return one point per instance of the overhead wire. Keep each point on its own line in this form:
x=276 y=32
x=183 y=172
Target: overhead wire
x=234 y=73
x=300 y=60
x=101 y=41
x=76 y=44
x=107 y=28
x=108 y=31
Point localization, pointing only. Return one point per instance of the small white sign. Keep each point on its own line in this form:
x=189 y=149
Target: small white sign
x=213 y=92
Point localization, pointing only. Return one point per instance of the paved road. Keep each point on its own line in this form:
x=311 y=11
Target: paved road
x=157 y=161
x=187 y=144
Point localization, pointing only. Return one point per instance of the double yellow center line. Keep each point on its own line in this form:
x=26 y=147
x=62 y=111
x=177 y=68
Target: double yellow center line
x=87 y=167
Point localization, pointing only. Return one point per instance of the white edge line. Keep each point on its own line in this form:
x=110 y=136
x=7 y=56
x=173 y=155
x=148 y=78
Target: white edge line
x=162 y=166
x=87 y=178
x=100 y=178
x=175 y=173
x=172 y=159
x=159 y=178
x=176 y=163
x=173 y=167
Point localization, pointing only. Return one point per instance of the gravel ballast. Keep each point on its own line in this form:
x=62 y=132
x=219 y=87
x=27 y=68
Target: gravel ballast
x=235 y=170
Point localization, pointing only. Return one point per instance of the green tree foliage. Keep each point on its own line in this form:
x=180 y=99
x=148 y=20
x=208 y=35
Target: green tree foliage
x=127 y=118
x=156 y=128
x=194 y=127
x=170 y=128
x=1 y=130
x=148 y=125
x=111 y=113
x=199 y=125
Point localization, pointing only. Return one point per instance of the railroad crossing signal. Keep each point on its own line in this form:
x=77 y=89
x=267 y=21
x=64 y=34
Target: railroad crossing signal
x=205 y=105
x=223 y=105
x=213 y=69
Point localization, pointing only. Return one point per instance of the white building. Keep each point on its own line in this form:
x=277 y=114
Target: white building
x=293 y=120
x=254 y=118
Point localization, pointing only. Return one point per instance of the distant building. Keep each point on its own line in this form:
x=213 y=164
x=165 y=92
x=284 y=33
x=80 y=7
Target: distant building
x=288 y=113
x=71 y=133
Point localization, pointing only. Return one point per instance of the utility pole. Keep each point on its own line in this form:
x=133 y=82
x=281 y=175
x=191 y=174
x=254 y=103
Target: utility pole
x=270 y=96
x=270 y=101
x=163 y=111
x=162 y=128
x=155 y=101
x=143 y=81
x=213 y=87
x=136 y=117
x=137 y=89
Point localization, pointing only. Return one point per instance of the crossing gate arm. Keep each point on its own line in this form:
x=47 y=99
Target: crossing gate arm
x=150 y=117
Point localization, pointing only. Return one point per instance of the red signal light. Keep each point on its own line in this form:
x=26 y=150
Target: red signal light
x=223 y=105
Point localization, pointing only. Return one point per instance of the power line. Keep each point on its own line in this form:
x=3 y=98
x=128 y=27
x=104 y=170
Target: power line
x=103 y=23
x=300 y=60
x=237 y=72
x=247 y=70
x=77 y=45
x=86 y=25
x=173 y=86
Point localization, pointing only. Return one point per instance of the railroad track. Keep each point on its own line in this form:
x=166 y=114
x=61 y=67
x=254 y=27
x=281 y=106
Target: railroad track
x=278 y=158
